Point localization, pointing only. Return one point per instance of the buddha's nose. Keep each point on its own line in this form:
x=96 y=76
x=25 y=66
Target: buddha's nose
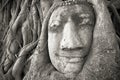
x=71 y=39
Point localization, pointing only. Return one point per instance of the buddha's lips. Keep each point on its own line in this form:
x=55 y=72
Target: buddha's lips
x=73 y=59
x=76 y=60
x=75 y=55
x=72 y=53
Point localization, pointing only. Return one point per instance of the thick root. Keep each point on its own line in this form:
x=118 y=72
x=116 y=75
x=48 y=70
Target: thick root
x=19 y=64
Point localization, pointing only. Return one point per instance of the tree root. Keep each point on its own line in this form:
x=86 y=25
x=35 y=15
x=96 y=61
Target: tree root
x=19 y=64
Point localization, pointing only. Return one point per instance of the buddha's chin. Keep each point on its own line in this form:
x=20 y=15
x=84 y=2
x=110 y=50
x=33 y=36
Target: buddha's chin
x=71 y=68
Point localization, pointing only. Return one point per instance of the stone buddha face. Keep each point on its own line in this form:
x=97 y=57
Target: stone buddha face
x=70 y=33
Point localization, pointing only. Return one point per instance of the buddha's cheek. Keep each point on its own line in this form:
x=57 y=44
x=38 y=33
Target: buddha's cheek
x=54 y=42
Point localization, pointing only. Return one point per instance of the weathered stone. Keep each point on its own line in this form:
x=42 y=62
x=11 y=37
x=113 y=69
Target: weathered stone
x=102 y=59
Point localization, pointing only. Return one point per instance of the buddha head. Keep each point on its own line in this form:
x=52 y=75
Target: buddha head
x=82 y=42
x=70 y=32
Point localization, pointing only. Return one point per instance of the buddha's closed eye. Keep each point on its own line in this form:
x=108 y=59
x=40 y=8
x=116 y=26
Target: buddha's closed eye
x=85 y=19
x=54 y=26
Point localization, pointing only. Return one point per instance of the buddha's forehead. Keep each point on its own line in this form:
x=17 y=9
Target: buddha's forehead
x=63 y=12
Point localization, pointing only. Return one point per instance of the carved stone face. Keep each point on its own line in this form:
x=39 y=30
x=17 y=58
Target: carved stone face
x=70 y=32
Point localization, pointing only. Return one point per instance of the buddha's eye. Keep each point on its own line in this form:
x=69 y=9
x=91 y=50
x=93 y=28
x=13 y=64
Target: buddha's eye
x=85 y=23
x=54 y=26
x=84 y=19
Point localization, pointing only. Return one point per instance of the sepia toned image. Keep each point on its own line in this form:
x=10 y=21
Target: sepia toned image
x=59 y=39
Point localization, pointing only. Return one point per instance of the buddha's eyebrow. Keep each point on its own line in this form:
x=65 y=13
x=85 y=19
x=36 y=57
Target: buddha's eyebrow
x=60 y=17
x=54 y=21
x=83 y=15
x=63 y=16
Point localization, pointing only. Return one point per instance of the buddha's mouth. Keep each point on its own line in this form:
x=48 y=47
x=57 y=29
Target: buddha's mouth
x=72 y=53
x=72 y=59
x=76 y=60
